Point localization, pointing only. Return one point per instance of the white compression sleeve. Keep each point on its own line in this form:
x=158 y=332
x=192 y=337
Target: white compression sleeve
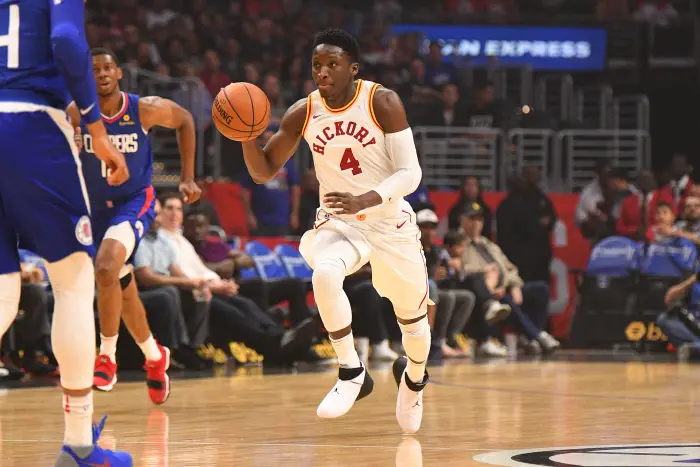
x=403 y=182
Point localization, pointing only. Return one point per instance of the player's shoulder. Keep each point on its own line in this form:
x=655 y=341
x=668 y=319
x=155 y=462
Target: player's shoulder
x=385 y=98
x=388 y=110
x=296 y=116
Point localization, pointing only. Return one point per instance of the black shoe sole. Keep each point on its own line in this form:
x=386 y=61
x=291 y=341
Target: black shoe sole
x=301 y=341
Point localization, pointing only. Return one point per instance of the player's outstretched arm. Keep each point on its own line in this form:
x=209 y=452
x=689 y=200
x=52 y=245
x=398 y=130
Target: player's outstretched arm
x=156 y=111
x=398 y=138
x=264 y=163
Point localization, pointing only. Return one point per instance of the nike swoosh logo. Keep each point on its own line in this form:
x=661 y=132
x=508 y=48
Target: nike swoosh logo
x=316 y=116
x=85 y=112
x=398 y=226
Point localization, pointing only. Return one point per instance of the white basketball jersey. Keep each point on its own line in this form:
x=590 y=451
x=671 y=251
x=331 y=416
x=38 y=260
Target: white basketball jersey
x=347 y=143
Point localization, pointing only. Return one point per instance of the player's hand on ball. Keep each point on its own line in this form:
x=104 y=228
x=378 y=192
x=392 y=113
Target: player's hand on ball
x=190 y=191
x=343 y=203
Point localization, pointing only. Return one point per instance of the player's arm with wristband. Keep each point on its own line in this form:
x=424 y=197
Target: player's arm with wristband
x=156 y=111
x=264 y=163
x=398 y=138
x=74 y=62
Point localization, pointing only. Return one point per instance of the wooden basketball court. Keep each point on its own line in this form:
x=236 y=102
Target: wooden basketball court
x=250 y=419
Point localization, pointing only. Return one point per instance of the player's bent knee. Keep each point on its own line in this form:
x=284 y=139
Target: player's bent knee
x=72 y=279
x=328 y=276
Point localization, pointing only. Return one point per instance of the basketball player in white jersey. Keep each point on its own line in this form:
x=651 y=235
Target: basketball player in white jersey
x=366 y=162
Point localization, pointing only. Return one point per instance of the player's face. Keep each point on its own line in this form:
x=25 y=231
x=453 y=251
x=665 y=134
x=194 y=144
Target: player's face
x=107 y=74
x=332 y=70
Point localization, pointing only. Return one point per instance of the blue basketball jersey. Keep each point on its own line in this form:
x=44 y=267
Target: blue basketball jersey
x=129 y=137
x=28 y=71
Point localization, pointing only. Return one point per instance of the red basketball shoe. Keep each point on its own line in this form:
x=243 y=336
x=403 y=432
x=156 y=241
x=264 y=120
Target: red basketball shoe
x=105 y=376
x=157 y=379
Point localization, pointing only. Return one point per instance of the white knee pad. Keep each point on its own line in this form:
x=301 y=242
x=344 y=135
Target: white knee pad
x=10 y=290
x=124 y=234
x=333 y=304
x=416 y=340
x=73 y=331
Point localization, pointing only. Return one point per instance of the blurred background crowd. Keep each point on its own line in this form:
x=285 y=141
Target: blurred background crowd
x=533 y=156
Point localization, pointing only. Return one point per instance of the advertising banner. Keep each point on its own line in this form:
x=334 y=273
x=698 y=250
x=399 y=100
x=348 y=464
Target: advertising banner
x=542 y=48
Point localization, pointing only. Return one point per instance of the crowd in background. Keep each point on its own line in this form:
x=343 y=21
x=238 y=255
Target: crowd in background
x=489 y=272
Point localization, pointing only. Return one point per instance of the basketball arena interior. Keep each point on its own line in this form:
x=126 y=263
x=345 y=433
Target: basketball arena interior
x=562 y=133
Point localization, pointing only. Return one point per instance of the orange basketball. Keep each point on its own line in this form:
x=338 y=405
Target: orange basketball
x=241 y=111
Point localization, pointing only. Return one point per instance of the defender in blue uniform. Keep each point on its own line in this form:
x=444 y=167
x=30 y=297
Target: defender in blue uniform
x=44 y=60
x=123 y=214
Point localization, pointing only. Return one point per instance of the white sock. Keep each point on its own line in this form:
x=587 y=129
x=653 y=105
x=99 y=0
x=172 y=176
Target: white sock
x=108 y=346
x=77 y=412
x=345 y=350
x=416 y=343
x=150 y=349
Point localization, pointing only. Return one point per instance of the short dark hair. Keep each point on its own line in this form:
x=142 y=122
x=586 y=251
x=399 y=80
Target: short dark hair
x=454 y=238
x=103 y=51
x=664 y=204
x=618 y=173
x=167 y=196
x=339 y=38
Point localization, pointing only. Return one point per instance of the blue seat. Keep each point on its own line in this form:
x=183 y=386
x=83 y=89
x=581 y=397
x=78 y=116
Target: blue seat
x=294 y=263
x=664 y=264
x=606 y=293
x=268 y=265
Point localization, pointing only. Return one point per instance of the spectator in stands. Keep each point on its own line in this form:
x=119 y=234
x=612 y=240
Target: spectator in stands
x=157 y=268
x=590 y=213
x=525 y=221
x=486 y=111
x=212 y=76
x=239 y=317
x=454 y=306
x=309 y=202
x=371 y=317
x=638 y=207
x=448 y=111
x=272 y=209
x=485 y=261
x=680 y=185
x=228 y=262
x=664 y=223
x=690 y=224
x=438 y=72
x=679 y=332
x=471 y=192
x=660 y=12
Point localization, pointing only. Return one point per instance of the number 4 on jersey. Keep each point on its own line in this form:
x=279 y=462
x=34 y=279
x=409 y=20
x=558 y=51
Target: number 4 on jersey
x=348 y=161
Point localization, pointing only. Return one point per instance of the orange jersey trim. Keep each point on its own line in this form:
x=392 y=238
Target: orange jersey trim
x=309 y=108
x=358 y=91
x=371 y=106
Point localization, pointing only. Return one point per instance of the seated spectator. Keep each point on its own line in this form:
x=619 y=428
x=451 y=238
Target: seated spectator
x=590 y=215
x=228 y=262
x=677 y=329
x=637 y=208
x=497 y=279
x=272 y=208
x=680 y=184
x=157 y=268
x=449 y=111
x=485 y=111
x=371 y=319
x=454 y=306
x=239 y=317
x=690 y=224
x=664 y=223
x=471 y=192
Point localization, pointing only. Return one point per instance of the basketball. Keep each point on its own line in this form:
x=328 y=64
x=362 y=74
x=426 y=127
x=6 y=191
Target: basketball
x=241 y=111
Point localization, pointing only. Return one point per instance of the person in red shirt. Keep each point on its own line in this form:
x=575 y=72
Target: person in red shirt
x=212 y=76
x=680 y=186
x=634 y=220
